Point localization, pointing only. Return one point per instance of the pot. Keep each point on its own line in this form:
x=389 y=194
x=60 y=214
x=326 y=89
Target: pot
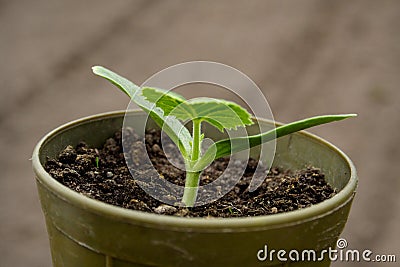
x=90 y=233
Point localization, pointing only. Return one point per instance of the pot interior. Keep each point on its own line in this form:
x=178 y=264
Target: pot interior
x=295 y=151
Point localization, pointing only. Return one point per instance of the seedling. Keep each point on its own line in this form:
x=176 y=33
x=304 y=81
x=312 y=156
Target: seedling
x=170 y=110
x=97 y=160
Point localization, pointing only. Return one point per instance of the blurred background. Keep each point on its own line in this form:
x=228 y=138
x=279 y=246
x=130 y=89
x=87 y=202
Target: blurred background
x=308 y=57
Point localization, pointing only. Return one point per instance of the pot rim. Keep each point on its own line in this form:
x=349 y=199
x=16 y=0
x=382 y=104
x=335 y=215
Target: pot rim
x=165 y=221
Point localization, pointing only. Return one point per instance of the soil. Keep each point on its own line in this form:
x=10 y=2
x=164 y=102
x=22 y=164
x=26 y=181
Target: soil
x=103 y=174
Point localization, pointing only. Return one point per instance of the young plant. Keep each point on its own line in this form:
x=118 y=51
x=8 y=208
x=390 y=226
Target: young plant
x=169 y=110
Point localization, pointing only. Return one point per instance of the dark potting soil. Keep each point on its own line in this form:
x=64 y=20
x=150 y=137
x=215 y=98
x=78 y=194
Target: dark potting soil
x=103 y=174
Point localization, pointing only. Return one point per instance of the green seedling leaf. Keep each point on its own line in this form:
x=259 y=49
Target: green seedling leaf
x=166 y=100
x=170 y=125
x=227 y=147
x=220 y=113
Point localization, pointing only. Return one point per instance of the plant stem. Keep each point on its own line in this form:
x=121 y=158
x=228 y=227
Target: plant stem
x=196 y=140
x=191 y=188
x=193 y=178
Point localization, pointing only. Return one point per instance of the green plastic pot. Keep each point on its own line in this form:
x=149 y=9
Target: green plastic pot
x=89 y=233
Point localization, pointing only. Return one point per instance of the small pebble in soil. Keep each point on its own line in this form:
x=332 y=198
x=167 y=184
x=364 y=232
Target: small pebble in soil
x=165 y=209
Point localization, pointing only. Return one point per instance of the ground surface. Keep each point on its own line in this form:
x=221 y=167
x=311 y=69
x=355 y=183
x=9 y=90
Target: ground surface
x=308 y=57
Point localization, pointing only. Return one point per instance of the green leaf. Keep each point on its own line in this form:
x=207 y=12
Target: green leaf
x=122 y=83
x=166 y=100
x=220 y=113
x=178 y=133
x=227 y=147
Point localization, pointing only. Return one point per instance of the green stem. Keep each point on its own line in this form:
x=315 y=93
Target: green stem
x=193 y=178
x=196 y=140
x=191 y=188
